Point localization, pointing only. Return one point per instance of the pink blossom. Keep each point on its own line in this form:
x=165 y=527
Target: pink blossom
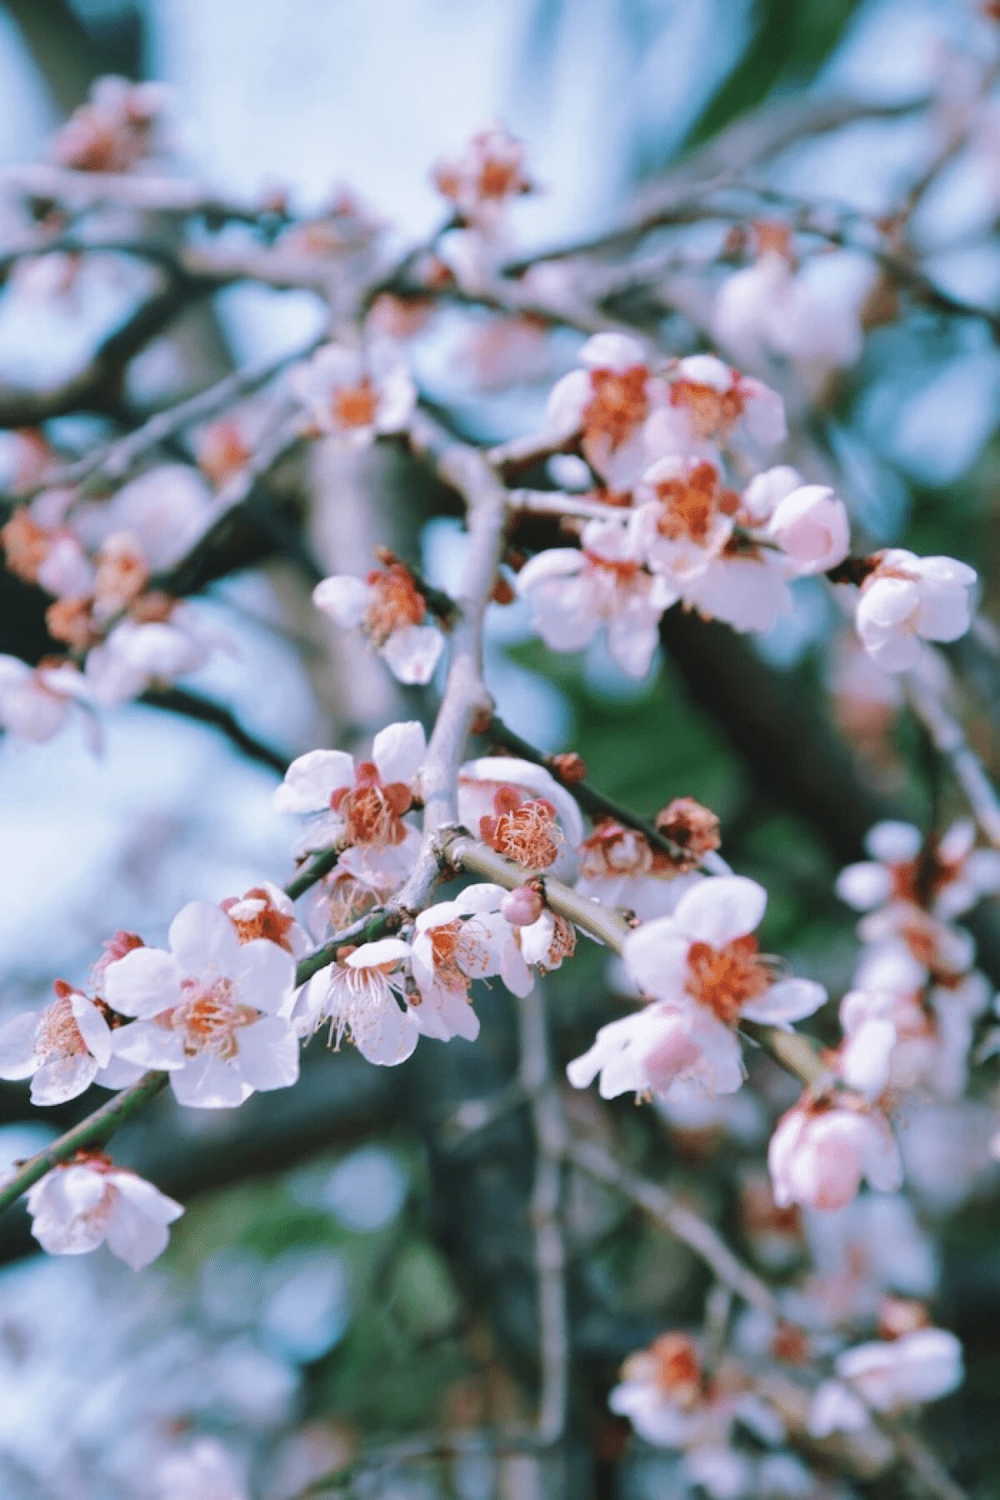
x=659 y=1046
x=390 y=610
x=208 y=1011
x=352 y=395
x=115 y=131
x=165 y=511
x=887 y=1376
x=63 y=1050
x=480 y=780
x=745 y=587
x=906 y=600
x=607 y=403
x=454 y=943
x=573 y=592
x=949 y=876
x=362 y=805
x=35 y=703
x=811 y=527
x=359 y=995
x=619 y=867
x=81 y=1204
x=265 y=911
x=685 y=517
x=136 y=655
x=485 y=178
x=711 y=404
x=819 y=1153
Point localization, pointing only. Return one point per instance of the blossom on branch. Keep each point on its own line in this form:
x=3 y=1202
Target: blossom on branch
x=63 y=1050
x=390 y=610
x=363 y=996
x=454 y=943
x=906 y=600
x=948 y=876
x=822 y=1149
x=887 y=1375
x=351 y=395
x=484 y=179
x=83 y=1203
x=209 y=1010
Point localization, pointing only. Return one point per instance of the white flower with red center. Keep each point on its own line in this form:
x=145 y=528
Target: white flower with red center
x=362 y=806
x=36 y=702
x=948 y=877
x=363 y=995
x=353 y=395
x=906 y=600
x=390 y=609
x=208 y=1010
x=821 y=1151
x=608 y=403
x=619 y=867
x=89 y=1201
x=887 y=1376
x=685 y=517
x=547 y=942
x=480 y=780
x=574 y=591
x=705 y=958
x=902 y=937
x=709 y=404
x=454 y=943
x=484 y=179
x=62 y=1050
x=899 y=1039
x=266 y=911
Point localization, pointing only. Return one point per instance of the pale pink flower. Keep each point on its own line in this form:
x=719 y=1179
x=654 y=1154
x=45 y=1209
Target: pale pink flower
x=819 y=1153
x=811 y=527
x=63 y=1050
x=712 y=405
x=265 y=911
x=745 y=587
x=902 y=938
x=83 y=1203
x=619 y=867
x=949 y=877
x=361 y=805
x=906 y=600
x=138 y=655
x=480 y=780
x=887 y=1376
x=352 y=395
x=359 y=995
x=546 y=942
x=898 y=1039
x=454 y=943
x=685 y=517
x=390 y=610
x=659 y=1046
x=483 y=181
x=115 y=130
x=65 y=570
x=704 y=957
x=574 y=591
x=205 y=1471
x=165 y=511
x=608 y=403
x=208 y=1011
x=36 y=702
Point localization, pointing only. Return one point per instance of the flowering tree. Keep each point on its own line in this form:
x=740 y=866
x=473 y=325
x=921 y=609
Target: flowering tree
x=684 y=493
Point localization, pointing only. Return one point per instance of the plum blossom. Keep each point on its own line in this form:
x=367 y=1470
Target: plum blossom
x=484 y=179
x=711 y=404
x=820 y=1152
x=685 y=517
x=897 y=1039
x=63 y=1050
x=361 y=805
x=811 y=526
x=390 y=610
x=948 y=876
x=658 y=1047
x=619 y=867
x=906 y=600
x=87 y=1201
x=265 y=911
x=36 y=702
x=205 y=1471
x=744 y=586
x=115 y=130
x=208 y=1010
x=454 y=943
x=359 y=995
x=138 y=654
x=607 y=404
x=574 y=591
x=480 y=780
x=887 y=1376
x=352 y=395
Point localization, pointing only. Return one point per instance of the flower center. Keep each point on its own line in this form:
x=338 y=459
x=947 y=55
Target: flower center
x=209 y=1017
x=355 y=405
x=690 y=505
x=724 y=979
x=60 y=1035
x=372 y=812
x=395 y=603
x=448 y=943
x=618 y=405
x=255 y=916
x=614 y=850
x=527 y=832
x=711 y=412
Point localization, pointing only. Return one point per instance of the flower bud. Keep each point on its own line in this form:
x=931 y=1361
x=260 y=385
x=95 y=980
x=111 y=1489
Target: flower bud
x=522 y=906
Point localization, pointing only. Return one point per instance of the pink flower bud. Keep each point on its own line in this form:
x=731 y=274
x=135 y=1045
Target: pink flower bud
x=522 y=906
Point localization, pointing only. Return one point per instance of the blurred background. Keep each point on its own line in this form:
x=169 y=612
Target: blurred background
x=347 y=1270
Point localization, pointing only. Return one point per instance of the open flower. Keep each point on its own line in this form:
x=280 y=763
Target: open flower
x=887 y=1376
x=908 y=599
x=574 y=591
x=362 y=806
x=619 y=867
x=607 y=403
x=711 y=404
x=820 y=1152
x=87 y=1201
x=454 y=943
x=360 y=996
x=208 y=1011
x=204 y=1471
x=62 y=1051
x=658 y=1047
x=947 y=877
x=390 y=610
x=266 y=912
x=139 y=653
x=354 y=396
x=36 y=702
x=483 y=181
x=480 y=780
x=685 y=516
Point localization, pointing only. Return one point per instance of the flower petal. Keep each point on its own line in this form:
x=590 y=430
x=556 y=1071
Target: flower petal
x=311 y=780
x=719 y=910
x=397 y=752
x=143 y=983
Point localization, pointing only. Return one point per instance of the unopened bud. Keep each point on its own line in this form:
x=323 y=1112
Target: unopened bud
x=503 y=593
x=694 y=828
x=522 y=906
x=386 y=556
x=569 y=767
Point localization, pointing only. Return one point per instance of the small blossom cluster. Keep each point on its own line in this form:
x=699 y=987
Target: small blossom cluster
x=99 y=562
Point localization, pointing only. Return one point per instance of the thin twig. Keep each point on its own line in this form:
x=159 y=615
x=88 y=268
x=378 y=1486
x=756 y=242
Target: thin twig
x=949 y=740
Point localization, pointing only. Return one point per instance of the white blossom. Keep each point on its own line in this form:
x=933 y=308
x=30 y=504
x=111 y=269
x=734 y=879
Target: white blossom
x=359 y=995
x=390 y=610
x=819 y=1154
x=454 y=943
x=81 y=1204
x=908 y=599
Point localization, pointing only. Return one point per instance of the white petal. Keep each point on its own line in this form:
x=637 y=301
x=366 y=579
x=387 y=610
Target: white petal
x=18 y=1058
x=383 y=1033
x=93 y=1028
x=788 y=1000
x=204 y=941
x=864 y=885
x=719 y=910
x=63 y=1078
x=893 y=843
x=268 y=1055
x=264 y=975
x=344 y=598
x=312 y=779
x=384 y=951
x=656 y=956
x=206 y=1082
x=143 y=983
x=149 y=1045
x=413 y=652
x=398 y=751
